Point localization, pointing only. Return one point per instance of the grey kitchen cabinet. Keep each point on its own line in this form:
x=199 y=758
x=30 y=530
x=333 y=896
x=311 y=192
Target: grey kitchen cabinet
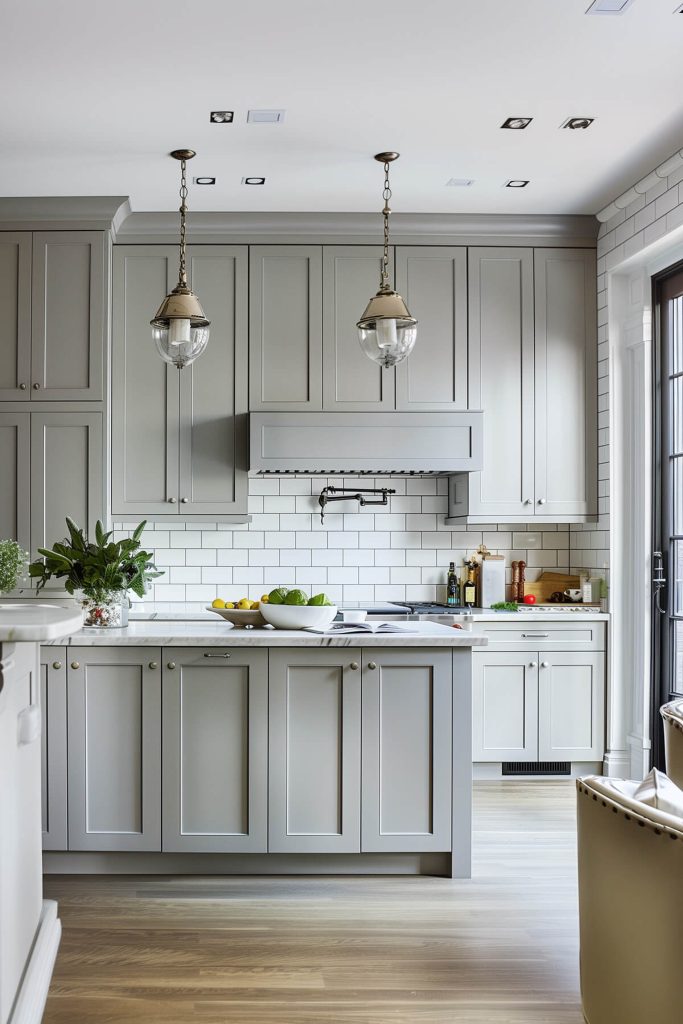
x=285 y=328
x=533 y=370
x=54 y=747
x=52 y=466
x=433 y=281
x=114 y=748
x=314 y=751
x=351 y=381
x=407 y=750
x=505 y=706
x=565 y=401
x=539 y=704
x=179 y=438
x=55 y=285
x=215 y=750
x=15 y=473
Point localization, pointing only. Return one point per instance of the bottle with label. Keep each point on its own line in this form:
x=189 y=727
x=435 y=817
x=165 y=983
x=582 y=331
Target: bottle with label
x=452 y=587
x=469 y=588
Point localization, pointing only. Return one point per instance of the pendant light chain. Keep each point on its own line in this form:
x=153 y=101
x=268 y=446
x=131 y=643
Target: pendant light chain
x=386 y=196
x=182 y=274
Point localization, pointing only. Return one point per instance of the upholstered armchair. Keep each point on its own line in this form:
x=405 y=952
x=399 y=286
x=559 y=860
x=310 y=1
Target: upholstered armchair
x=672 y=714
x=631 y=906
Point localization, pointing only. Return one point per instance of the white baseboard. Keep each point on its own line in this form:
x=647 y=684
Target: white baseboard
x=617 y=764
x=32 y=995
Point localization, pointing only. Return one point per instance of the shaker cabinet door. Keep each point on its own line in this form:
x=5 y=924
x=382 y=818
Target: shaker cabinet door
x=285 y=328
x=504 y=706
x=314 y=762
x=114 y=735
x=15 y=302
x=433 y=281
x=69 y=318
x=145 y=390
x=215 y=749
x=407 y=750
x=565 y=402
x=15 y=473
x=571 y=706
x=53 y=751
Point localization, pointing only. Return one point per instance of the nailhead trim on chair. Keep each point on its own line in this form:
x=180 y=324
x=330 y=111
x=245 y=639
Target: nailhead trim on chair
x=642 y=822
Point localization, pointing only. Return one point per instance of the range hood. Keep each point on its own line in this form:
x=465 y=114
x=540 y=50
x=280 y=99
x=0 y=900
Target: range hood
x=373 y=442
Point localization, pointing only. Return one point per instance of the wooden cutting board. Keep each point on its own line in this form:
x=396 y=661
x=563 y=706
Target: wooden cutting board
x=549 y=582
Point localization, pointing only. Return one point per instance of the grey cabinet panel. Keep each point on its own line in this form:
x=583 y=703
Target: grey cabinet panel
x=571 y=707
x=68 y=325
x=114 y=736
x=15 y=302
x=53 y=747
x=433 y=281
x=566 y=382
x=351 y=381
x=67 y=475
x=215 y=749
x=314 y=763
x=407 y=750
x=285 y=327
x=505 y=706
x=501 y=378
x=213 y=391
x=15 y=469
x=145 y=390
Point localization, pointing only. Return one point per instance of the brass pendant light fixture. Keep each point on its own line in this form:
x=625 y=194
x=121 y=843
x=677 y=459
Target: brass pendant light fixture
x=180 y=329
x=386 y=330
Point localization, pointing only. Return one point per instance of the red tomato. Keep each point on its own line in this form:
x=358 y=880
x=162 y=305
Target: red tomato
x=529 y=599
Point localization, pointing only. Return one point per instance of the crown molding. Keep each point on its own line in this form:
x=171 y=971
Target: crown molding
x=362 y=228
x=68 y=213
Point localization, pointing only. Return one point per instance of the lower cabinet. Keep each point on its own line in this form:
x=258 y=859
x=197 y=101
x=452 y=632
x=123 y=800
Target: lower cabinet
x=314 y=763
x=538 y=706
x=53 y=747
x=114 y=748
x=215 y=750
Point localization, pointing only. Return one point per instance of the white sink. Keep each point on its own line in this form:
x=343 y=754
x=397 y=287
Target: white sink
x=29 y=621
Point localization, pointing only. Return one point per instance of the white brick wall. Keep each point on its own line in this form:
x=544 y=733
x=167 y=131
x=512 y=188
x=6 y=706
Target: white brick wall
x=398 y=553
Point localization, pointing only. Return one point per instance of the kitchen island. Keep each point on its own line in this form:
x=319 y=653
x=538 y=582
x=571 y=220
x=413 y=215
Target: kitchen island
x=197 y=747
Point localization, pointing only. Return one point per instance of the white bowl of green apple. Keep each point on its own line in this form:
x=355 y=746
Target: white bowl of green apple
x=294 y=609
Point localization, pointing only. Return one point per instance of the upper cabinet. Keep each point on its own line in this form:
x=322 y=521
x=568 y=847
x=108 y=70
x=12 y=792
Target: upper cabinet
x=433 y=281
x=533 y=370
x=179 y=437
x=54 y=285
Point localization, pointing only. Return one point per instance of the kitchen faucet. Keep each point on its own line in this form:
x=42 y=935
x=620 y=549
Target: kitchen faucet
x=353 y=494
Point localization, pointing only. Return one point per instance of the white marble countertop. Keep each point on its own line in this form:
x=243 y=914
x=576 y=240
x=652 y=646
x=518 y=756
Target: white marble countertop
x=37 y=621
x=222 y=634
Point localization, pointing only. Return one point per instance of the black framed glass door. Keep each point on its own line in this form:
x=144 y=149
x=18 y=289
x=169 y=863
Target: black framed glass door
x=667 y=590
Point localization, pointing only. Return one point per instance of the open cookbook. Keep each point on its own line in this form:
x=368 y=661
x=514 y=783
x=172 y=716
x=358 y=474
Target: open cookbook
x=362 y=627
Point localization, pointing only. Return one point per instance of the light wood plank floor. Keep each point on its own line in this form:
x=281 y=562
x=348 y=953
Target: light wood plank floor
x=499 y=949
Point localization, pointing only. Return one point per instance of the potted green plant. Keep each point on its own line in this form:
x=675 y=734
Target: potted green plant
x=13 y=562
x=102 y=573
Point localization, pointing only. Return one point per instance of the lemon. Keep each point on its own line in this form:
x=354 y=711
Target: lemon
x=218 y=603
x=229 y=604
x=254 y=605
x=264 y=598
x=244 y=603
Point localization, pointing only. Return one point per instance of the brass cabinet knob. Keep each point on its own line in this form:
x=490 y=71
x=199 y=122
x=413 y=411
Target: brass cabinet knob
x=153 y=664
x=36 y=386
x=184 y=500
x=56 y=664
x=354 y=666
x=22 y=387
x=171 y=665
x=172 y=501
x=372 y=664
x=75 y=664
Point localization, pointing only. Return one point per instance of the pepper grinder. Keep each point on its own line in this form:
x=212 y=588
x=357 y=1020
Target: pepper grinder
x=520 y=583
x=514 y=586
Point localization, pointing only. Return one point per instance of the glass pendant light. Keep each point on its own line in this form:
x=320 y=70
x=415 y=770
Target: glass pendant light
x=386 y=330
x=180 y=329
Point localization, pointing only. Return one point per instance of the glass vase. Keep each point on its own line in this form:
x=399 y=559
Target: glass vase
x=104 y=612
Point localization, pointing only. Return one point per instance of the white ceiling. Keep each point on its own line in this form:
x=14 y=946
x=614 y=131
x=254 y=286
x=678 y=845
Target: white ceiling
x=96 y=94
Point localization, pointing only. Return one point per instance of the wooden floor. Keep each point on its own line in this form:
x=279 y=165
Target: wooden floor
x=499 y=949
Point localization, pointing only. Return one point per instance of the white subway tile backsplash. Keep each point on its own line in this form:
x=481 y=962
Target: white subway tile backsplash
x=358 y=556
x=297 y=556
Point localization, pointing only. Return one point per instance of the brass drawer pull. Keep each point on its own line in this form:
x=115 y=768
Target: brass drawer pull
x=207 y=655
x=56 y=665
x=75 y=664
x=153 y=664
x=372 y=665
x=171 y=665
x=354 y=666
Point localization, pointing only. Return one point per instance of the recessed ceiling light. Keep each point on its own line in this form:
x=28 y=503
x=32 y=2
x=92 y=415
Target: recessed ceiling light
x=609 y=6
x=204 y=181
x=517 y=123
x=578 y=122
x=221 y=116
x=253 y=181
x=516 y=183
x=460 y=182
x=266 y=116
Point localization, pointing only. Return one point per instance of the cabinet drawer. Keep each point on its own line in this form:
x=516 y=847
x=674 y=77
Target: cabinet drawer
x=531 y=636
